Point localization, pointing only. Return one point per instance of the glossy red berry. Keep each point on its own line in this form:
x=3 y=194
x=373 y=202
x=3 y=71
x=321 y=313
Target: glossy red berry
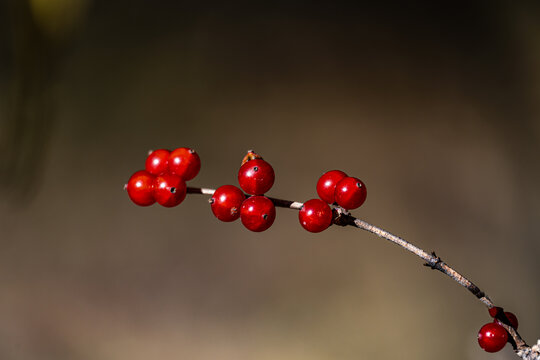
x=184 y=162
x=226 y=202
x=512 y=318
x=315 y=216
x=350 y=193
x=326 y=186
x=169 y=190
x=256 y=177
x=492 y=337
x=257 y=213
x=140 y=188
x=157 y=161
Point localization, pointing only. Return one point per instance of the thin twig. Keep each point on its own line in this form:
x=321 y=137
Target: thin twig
x=343 y=218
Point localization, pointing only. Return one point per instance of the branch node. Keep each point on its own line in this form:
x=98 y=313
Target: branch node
x=435 y=263
x=341 y=216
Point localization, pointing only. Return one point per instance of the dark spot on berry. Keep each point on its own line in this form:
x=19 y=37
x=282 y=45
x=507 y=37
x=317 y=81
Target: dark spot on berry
x=173 y=190
x=211 y=200
x=358 y=185
x=191 y=151
x=255 y=168
x=265 y=216
x=234 y=210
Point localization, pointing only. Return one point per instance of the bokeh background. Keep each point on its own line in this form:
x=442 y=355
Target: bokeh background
x=435 y=106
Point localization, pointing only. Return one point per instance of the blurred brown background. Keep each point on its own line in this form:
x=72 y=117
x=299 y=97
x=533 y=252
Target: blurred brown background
x=436 y=108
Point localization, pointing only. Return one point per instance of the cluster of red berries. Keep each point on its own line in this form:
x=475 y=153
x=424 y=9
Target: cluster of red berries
x=257 y=212
x=334 y=187
x=493 y=336
x=165 y=175
x=164 y=178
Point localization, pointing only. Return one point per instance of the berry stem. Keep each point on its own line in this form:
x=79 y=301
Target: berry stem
x=343 y=218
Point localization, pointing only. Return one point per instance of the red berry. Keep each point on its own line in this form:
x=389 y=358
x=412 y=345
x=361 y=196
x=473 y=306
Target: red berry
x=256 y=177
x=350 y=193
x=315 y=216
x=157 y=161
x=257 y=213
x=226 y=202
x=184 y=162
x=512 y=318
x=140 y=188
x=494 y=311
x=169 y=190
x=492 y=337
x=326 y=186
